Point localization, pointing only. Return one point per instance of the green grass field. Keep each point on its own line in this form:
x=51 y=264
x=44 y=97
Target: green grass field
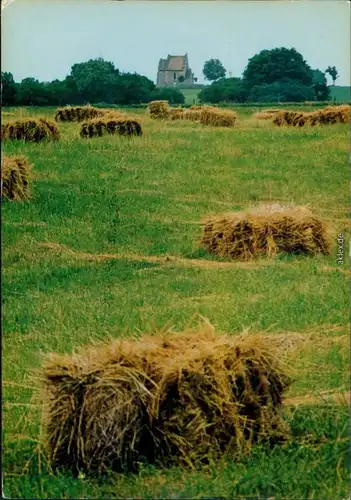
x=340 y=93
x=85 y=260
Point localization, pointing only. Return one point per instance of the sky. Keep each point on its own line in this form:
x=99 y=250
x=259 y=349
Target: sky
x=44 y=38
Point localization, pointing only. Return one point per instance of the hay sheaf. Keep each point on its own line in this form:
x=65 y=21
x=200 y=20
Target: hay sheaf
x=266 y=231
x=193 y=115
x=159 y=110
x=30 y=129
x=216 y=117
x=77 y=113
x=327 y=116
x=176 y=114
x=168 y=399
x=111 y=124
x=15 y=177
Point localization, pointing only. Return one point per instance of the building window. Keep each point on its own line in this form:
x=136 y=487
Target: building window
x=174 y=76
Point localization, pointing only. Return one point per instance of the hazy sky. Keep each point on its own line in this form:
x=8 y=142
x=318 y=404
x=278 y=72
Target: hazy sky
x=43 y=38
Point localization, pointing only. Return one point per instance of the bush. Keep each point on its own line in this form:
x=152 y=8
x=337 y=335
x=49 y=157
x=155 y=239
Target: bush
x=173 y=96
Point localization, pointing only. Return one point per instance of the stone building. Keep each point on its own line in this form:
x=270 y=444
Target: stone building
x=174 y=70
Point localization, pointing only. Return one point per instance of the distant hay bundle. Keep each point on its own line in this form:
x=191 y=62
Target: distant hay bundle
x=267 y=114
x=176 y=113
x=168 y=399
x=334 y=114
x=30 y=129
x=112 y=124
x=266 y=231
x=77 y=113
x=218 y=117
x=193 y=115
x=327 y=116
x=15 y=177
x=159 y=110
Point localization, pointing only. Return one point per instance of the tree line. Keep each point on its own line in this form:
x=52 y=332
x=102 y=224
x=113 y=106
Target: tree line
x=95 y=81
x=277 y=75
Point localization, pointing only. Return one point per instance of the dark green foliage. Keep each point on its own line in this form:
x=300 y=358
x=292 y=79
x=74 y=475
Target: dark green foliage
x=333 y=72
x=226 y=89
x=214 y=69
x=320 y=86
x=281 y=64
x=8 y=90
x=283 y=91
x=173 y=96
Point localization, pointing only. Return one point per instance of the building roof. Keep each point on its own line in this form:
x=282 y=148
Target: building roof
x=172 y=63
x=175 y=63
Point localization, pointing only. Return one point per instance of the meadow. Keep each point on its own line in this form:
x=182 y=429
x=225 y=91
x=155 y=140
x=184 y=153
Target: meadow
x=108 y=245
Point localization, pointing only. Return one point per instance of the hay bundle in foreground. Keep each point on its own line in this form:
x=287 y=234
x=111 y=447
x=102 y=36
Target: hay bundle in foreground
x=77 y=113
x=266 y=231
x=218 y=117
x=34 y=130
x=159 y=110
x=112 y=124
x=173 y=398
x=176 y=113
x=15 y=177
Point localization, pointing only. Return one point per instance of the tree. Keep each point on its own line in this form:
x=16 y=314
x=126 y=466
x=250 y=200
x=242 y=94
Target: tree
x=281 y=64
x=319 y=84
x=226 y=89
x=213 y=70
x=282 y=91
x=94 y=79
x=181 y=79
x=173 y=96
x=131 y=88
x=333 y=72
x=8 y=89
x=31 y=92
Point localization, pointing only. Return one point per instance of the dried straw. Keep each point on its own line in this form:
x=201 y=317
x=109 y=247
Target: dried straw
x=158 y=110
x=266 y=231
x=171 y=398
x=15 y=177
x=77 y=113
x=111 y=124
x=34 y=130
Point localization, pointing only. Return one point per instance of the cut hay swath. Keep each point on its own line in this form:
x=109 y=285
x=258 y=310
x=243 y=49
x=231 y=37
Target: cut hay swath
x=327 y=116
x=265 y=231
x=33 y=130
x=111 y=124
x=172 y=398
x=77 y=113
x=218 y=117
x=158 y=110
x=15 y=177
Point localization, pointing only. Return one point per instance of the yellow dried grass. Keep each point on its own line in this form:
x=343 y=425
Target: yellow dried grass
x=216 y=117
x=159 y=110
x=266 y=231
x=15 y=177
x=178 y=398
x=176 y=114
x=327 y=116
